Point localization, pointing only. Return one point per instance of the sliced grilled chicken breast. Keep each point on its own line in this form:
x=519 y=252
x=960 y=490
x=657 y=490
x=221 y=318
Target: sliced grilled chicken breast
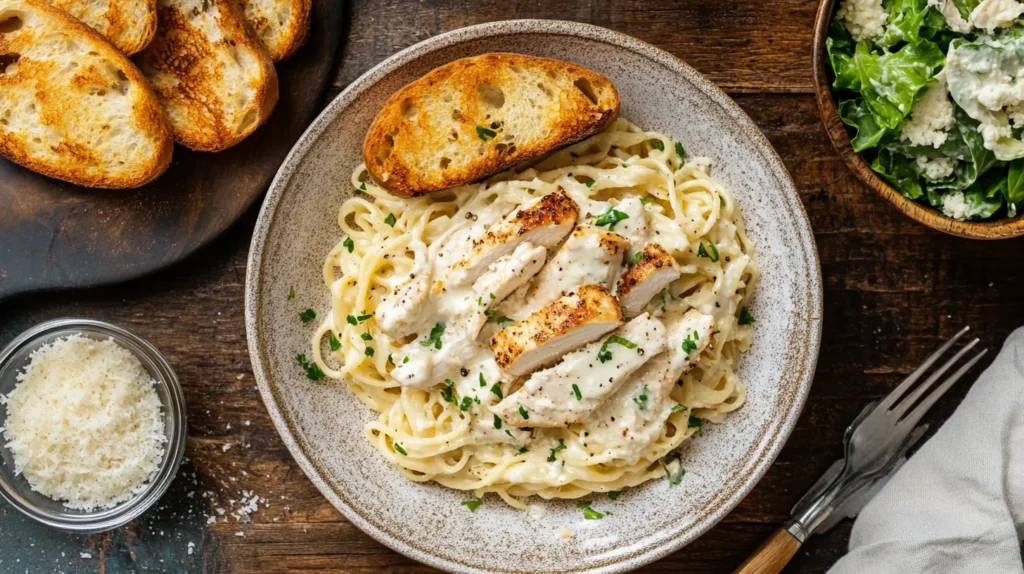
x=635 y=415
x=432 y=360
x=545 y=222
x=634 y=227
x=591 y=256
x=557 y=328
x=653 y=271
x=568 y=392
x=407 y=310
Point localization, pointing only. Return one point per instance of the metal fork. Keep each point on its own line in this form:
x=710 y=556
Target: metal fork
x=875 y=446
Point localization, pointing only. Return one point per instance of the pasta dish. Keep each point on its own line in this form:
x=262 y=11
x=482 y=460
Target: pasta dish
x=555 y=330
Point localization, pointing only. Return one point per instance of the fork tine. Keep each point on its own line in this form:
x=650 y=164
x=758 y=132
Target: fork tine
x=915 y=415
x=905 y=403
x=898 y=392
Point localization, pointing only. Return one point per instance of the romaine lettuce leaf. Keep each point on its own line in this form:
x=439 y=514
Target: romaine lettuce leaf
x=909 y=21
x=839 y=45
x=891 y=82
x=965 y=7
x=869 y=133
x=900 y=171
x=1014 y=190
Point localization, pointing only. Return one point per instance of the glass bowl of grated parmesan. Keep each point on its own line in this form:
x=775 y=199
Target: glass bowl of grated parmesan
x=92 y=424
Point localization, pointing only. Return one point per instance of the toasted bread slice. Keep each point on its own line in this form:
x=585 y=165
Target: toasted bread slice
x=478 y=116
x=280 y=25
x=128 y=24
x=72 y=106
x=214 y=79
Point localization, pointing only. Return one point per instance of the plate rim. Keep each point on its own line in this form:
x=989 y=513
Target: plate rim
x=253 y=283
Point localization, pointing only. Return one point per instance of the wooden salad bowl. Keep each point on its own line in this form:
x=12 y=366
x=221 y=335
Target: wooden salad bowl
x=998 y=229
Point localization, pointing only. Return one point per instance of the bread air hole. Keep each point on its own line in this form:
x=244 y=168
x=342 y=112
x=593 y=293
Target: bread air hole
x=583 y=85
x=445 y=162
x=409 y=110
x=545 y=88
x=122 y=83
x=10 y=23
x=491 y=96
x=9 y=63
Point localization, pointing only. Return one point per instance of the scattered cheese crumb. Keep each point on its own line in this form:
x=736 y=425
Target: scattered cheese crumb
x=931 y=117
x=992 y=14
x=954 y=205
x=191 y=548
x=84 y=423
x=864 y=19
x=935 y=169
x=86 y=555
x=565 y=532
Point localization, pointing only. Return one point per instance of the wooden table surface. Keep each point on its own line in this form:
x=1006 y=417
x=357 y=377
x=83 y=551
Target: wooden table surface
x=893 y=291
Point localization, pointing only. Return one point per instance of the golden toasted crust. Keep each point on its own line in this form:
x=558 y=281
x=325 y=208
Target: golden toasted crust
x=61 y=99
x=588 y=304
x=478 y=116
x=128 y=24
x=280 y=40
x=653 y=259
x=216 y=88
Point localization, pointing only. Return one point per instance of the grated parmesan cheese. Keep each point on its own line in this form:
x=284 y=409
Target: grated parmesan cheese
x=84 y=423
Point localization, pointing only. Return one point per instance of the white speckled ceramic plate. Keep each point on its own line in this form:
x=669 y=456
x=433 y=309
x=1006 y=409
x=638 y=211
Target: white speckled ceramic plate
x=323 y=423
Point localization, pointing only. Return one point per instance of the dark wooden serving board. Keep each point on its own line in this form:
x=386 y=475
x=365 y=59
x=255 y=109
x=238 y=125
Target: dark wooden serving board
x=55 y=235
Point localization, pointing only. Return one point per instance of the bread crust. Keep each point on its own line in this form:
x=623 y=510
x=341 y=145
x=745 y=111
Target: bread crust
x=182 y=65
x=124 y=28
x=283 y=46
x=77 y=161
x=405 y=133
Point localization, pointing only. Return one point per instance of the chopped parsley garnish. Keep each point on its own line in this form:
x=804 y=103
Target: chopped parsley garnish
x=674 y=476
x=590 y=183
x=610 y=218
x=313 y=371
x=472 y=505
x=390 y=360
x=366 y=337
x=401 y=451
x=489 y=313
x=636 y=258
x=678 y=408
x=291 y=293
x=353 y=320
x=658 y=145
x=561 y=446
x=576 y=391
x=690 y=342
x=496 y=389
x=604 y=355
x=466 y=403
x=448 y=393
x=681 y=153
x=614 y=494
x=696 y=423
x=646 y=200
x=405 y=360
x=390 y=219
x=434 y=339
x=497 y=422
x=362 y=186
x=524 y=414
x=640 y=398
x=307 y=316
x=333 y=341
x=523 y=449
x=349 y=244
x=589 y=513
x=368 y=351
x=484 y=133
x=483 y=383
x=711 y=252
x=745 y=317
x=503 y=321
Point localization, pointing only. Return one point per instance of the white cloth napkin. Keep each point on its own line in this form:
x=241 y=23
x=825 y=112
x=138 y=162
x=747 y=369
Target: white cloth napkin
x=958 y=504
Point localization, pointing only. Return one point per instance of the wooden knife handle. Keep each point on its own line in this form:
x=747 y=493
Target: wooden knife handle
x=772 y=556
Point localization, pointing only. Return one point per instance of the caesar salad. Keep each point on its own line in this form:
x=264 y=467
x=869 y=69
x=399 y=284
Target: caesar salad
x=933 y=92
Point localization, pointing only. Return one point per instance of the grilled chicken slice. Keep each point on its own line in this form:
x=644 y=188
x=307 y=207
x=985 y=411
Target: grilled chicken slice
x=557 y=328
x=568 y=392
x=634 y=227
x=407 y=310
x=653 y=271
x=466 y=314
x=591 y=256
x=635 y=415
x=544 y=222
